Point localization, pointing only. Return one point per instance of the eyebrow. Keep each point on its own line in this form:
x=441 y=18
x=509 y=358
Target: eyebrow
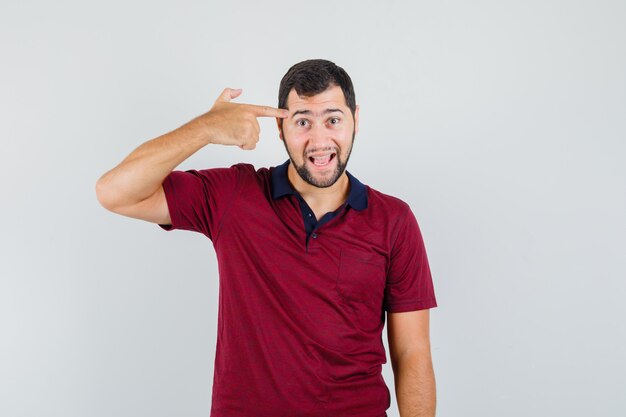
x=309 y=112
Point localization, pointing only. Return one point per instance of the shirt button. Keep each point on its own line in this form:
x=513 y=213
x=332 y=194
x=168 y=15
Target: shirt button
x=310 y=214
x=314 y=235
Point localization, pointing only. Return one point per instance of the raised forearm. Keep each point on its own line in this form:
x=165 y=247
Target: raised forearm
x=414 y=379
x=142 y=172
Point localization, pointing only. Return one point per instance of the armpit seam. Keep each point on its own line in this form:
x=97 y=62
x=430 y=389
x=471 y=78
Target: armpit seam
x=419 y=305
x=401 y=303
x=400 y=222
x=172 y=206
x=227 y=210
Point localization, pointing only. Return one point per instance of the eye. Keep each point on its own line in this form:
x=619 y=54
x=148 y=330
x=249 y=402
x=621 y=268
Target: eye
x=334 y=120
x=302 y=122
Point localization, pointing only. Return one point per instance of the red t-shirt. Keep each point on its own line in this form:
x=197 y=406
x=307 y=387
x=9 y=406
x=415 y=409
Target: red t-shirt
x=300 y=320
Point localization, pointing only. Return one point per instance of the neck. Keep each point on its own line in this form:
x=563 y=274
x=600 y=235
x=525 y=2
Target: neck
x=334 y=195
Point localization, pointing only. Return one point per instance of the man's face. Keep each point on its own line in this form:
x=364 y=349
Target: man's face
x=318 y=135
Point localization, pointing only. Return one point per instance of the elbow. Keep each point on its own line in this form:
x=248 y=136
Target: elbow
x=104 y=194
x=418 y=353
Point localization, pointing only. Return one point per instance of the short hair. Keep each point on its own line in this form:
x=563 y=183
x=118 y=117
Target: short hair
x=314 y=76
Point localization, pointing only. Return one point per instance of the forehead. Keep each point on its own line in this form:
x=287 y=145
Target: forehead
x=332 y=96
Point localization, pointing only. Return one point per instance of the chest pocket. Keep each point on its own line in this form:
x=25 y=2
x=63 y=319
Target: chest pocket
x=361 y=285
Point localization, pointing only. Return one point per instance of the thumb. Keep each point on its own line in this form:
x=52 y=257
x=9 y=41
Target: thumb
x=229 y=93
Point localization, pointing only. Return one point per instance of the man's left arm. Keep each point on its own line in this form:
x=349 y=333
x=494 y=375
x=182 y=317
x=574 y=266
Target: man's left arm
x=409 y=350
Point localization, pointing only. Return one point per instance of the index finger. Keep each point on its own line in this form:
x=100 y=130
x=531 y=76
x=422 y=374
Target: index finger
x=267 y=111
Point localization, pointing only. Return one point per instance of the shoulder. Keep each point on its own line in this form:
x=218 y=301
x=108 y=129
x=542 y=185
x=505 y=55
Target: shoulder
x=250 y=179
x=234 y=177
x=244 y=170
x=391 y=205
x=390 y=213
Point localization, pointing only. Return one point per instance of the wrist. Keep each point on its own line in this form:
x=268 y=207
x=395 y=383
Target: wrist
x=202 y=129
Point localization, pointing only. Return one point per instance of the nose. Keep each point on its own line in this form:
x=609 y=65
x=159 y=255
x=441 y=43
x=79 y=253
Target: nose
x=319 y=138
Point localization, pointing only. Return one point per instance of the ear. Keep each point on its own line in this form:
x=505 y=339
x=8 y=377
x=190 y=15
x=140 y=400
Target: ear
x=356 y=120
x=279 y=125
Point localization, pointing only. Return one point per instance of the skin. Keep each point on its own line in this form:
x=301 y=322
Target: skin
x=317 y=124
x=320 y=130
x=408 y=334
x=134 y=188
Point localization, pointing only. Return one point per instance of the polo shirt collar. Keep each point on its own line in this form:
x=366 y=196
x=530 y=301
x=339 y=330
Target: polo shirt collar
x=357 y=199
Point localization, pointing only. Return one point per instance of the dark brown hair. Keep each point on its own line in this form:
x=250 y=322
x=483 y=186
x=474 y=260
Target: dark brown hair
x=314 y=76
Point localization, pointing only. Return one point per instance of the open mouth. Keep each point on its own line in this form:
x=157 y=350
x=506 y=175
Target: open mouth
x=323 y=160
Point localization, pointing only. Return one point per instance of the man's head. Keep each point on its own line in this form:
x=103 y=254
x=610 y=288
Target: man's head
x=323 y=120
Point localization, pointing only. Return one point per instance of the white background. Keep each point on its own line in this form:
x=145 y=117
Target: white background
x=502 y=124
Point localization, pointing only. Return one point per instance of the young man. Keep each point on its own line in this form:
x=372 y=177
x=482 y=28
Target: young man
x=309 y=257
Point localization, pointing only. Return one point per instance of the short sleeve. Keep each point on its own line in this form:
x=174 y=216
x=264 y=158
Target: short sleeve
x=409 y=283
x=199 y=200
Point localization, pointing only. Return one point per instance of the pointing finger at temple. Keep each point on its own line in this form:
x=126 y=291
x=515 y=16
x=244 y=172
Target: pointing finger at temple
x=267 y=111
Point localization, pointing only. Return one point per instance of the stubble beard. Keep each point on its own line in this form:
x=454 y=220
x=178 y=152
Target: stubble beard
x=307 y=175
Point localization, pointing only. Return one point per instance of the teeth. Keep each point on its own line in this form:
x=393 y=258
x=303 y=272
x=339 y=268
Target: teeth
x=321 y=160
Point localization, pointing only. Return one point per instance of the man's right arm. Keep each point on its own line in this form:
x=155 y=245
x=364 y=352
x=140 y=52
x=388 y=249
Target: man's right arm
x=134 y=187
